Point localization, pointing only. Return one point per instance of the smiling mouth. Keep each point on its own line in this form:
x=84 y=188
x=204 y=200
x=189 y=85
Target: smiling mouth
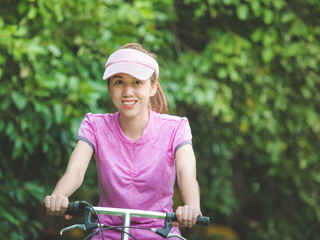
x=129 y=104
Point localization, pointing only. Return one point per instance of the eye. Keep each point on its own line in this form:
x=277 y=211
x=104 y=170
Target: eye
x=117 y=82
x=138 y=82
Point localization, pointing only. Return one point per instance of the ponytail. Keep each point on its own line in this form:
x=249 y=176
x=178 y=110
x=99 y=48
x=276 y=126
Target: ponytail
x=158 y=102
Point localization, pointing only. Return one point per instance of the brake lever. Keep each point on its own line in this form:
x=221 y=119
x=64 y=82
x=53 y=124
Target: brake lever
x=164 y=232
x=86 y=216
x=81 y=226
x=172 y=235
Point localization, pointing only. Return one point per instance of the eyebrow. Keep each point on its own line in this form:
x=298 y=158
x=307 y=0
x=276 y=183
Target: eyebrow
x=116 y=76
x=119 y=76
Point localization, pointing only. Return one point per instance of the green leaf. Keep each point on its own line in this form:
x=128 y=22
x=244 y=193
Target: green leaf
x=8 y=216
x=222 y=73
x=19 y=100
x=17 y=149
x=267 y=55
x=35 y=190
x=234 y=75
x=2 y=124
x=243 y=12
x=268 y=16
x=54 y=50
x=256 y=7
x=32 y=13
x=227 y=2
x=287 y=17
x=5 y=103
x=58 y=113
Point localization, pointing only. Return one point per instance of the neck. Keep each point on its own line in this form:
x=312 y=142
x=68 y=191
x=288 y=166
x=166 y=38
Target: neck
x=133 y=127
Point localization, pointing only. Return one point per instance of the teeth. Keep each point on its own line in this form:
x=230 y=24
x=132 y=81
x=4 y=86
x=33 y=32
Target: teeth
x=129 y=103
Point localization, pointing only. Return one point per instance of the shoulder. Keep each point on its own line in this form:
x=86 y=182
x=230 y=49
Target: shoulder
x=99 y=116
x=170 y=124
x=169 y=119
x=98 y=119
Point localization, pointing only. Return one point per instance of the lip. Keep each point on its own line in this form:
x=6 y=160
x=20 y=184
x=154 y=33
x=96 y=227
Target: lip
x=131 y=105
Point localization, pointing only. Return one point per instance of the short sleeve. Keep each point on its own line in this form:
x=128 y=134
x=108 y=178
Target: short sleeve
x=87 y=131
x=183 y=135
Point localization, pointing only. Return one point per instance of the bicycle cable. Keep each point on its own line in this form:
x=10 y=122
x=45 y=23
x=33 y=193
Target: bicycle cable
x=115 y=227
x=110 y=227
x=99 y=220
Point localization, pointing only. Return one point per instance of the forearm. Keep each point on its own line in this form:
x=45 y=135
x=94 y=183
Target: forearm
x=76 y=169
x=190 y=190
x=190 y=193
x=57 y=202
x=187 y=177
x=68 y=184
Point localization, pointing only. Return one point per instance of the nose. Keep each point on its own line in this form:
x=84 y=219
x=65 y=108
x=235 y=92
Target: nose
x=127 y=90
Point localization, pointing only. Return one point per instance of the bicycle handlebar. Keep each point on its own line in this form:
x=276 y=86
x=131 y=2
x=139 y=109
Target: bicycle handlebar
x=84 y=209
x=77 y=209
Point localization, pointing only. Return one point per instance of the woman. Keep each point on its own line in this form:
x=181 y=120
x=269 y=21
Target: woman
x=139 y=150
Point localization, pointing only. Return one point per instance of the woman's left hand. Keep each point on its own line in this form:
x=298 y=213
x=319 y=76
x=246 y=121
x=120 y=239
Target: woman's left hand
x=187 y=216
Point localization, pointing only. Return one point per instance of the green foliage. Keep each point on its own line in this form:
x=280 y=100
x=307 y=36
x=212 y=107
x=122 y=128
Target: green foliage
x=245 y=73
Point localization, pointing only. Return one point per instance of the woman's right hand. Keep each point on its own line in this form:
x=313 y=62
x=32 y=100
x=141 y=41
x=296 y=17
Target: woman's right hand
x=56 y=205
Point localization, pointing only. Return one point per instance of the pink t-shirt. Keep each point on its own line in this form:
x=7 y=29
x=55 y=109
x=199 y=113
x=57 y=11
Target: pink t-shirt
x=135 y=175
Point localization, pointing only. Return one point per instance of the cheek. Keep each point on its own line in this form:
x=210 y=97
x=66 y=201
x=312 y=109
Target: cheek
x=113 y=91
x=145 y=94
x=113 y=95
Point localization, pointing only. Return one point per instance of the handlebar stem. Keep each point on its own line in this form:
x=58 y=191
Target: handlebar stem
x=126 y=224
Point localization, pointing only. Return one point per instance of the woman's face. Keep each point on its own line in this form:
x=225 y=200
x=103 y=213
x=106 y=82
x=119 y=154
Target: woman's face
x=130 y=95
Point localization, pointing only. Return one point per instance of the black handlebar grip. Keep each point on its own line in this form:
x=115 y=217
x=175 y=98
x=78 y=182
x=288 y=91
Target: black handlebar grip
x=72 y=208
x=76 y=208
x=203 y=220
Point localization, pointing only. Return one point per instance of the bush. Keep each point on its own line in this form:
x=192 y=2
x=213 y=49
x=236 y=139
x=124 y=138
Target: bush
x=245 y=73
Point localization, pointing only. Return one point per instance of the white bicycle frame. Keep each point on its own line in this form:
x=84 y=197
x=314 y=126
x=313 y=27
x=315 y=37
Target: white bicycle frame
x=126 y=215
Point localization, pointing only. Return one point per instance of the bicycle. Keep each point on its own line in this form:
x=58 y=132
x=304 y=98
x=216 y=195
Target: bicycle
x=85 y=210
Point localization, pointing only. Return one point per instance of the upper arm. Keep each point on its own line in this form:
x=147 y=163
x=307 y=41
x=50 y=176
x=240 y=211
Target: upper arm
x=80 y=158
x=185 y=161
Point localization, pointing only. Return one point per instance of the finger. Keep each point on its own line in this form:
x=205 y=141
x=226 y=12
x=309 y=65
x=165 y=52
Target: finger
x=64 y=205
x=179 y=214
x=58 y=206
x=67 y=217
x=52 y=205
x=190 y=211
x=175 y=224
x=46 y=203
x=194 y=217
x=185 y=210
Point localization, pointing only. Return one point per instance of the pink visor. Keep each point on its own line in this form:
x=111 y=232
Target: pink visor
x=132 y=62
